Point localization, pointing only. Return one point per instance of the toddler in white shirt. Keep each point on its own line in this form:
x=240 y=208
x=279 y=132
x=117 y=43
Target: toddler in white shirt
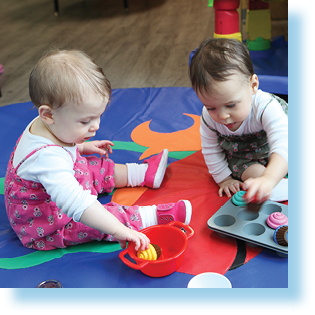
x=53 y=176
x=244 y=131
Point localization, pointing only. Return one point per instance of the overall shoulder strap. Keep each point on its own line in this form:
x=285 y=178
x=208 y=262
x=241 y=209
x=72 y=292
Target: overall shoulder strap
x=40 y=148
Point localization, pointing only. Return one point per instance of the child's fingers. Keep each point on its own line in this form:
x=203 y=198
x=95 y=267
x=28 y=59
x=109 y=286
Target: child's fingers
x=227 y=192
x=144 y=241
x=122 y=244
x=138 y=244
x=250 y=195
x=220 y=192
x=253 y=193
x=109 y=149
x=262 y=196
x=111 y=143
x=243 y=186
x=102 y=152
x=107 y=144
x=234 y=188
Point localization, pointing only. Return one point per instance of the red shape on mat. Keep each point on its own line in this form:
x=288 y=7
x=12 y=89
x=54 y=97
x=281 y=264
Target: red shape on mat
x=189 y=179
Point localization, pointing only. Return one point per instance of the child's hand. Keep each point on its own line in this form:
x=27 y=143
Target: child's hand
x=101 y=147
x=127 y=235
x=229 y=185
x=258 y=189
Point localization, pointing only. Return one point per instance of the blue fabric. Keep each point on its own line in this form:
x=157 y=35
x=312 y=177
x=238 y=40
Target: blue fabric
x=128 y=108
x=267 y=270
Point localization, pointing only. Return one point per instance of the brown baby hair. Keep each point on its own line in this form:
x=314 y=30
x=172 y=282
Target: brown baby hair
x=62 y=76
x=215 y=60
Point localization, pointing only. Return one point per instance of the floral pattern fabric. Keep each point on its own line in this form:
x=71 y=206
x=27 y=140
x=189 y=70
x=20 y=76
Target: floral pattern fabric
x=39 y=223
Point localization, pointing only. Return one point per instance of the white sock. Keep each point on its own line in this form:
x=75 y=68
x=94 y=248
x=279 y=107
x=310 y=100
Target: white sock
x=148 y=215
x=136 y=174
x=280 y=192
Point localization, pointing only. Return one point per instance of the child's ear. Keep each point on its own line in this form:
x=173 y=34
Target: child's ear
x=46 y=114
x=254 y=83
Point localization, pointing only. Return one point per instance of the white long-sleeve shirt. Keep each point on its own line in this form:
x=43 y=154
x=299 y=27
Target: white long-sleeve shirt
x=266 y=114
x=53 y=168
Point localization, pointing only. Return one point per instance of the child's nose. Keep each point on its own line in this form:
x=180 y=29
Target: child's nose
x=95 y=126
x=223 y=115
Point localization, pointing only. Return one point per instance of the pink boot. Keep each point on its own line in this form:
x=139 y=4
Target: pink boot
x=156 y=169
x=180 y=211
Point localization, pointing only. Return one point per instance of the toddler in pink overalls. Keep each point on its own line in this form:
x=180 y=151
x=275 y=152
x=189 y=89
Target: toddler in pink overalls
x=52 y=180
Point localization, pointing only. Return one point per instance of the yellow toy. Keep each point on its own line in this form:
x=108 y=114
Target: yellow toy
x=152 y=253
x=258 y=25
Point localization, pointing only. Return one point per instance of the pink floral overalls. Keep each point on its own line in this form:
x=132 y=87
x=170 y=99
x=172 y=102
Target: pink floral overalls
x=38 y=222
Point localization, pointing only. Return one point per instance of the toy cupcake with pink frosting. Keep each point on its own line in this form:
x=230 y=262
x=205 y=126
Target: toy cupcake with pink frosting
x=276 y=219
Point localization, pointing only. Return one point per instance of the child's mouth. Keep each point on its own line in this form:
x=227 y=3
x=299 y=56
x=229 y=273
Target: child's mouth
x=230 y=126
x=88 y=138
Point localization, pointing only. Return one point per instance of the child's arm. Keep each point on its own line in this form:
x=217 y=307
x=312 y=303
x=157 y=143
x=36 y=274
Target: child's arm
x=213 y=154
x=275 y=123
x=261 y=187
x=229 y=185
x=97 y=217
x=215 y=160
x=101 y=147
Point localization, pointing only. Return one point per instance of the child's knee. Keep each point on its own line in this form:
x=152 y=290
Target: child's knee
x=253 y=171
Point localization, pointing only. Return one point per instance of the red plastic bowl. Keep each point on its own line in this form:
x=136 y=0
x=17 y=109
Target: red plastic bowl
x=172 y=240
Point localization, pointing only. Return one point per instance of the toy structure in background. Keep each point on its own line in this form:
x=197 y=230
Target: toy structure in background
x=258 y=22
x=270 y=57
x=226 y=19
x=258 y=25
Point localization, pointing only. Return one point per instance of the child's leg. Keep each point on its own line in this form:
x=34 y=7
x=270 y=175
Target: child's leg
x=140 y=217
x=121 y=175
x=130 y=174
x=164 y=213
x=150 y=173
x=78 y=233
x=134 y=217
x=253 y=171
x=106 y=175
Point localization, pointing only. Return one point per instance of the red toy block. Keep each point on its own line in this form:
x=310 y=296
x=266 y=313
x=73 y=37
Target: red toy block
x=226 y=22
x=225 y=5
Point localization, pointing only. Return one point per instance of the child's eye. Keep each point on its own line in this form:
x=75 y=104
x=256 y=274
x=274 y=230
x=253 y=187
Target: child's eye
x=84 y=122
x=210 y=109
x=231 y=106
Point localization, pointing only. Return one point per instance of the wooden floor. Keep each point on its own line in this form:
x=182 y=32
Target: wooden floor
x=147 y=47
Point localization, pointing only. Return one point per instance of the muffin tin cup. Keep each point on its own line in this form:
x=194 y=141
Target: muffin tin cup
x=247 y=225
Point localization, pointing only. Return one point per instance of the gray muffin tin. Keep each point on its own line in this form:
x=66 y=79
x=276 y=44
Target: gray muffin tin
x=247 y=225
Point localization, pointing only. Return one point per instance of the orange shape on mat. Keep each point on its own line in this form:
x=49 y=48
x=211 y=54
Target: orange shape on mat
x=189 y=179
x=182 y=140
x=128 y=196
